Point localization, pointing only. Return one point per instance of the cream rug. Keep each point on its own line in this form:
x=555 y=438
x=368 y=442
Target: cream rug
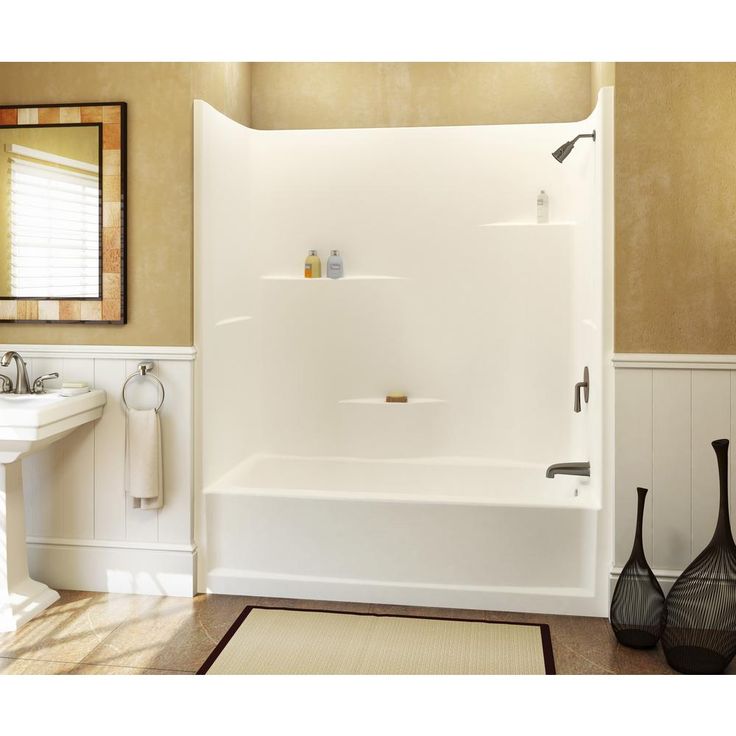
x=275 y=641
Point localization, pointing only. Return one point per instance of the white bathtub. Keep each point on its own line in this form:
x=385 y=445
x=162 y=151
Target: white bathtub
x=441 y=532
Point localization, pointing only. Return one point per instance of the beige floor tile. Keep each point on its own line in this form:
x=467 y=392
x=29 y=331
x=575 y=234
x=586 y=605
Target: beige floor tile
x=94 y=669
x=70 y=629
x=590 y=639
x=99 y=633
x=568 y=662
x=302 y=604
x=175 y=634
x=32 y=667
x=640 y=661
x=42 y=667
x=169 y=672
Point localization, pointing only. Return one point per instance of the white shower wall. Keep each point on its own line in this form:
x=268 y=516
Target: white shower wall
x=453 y=294
x=461 y=297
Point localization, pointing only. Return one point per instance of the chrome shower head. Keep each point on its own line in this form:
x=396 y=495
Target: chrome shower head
x=564 y=150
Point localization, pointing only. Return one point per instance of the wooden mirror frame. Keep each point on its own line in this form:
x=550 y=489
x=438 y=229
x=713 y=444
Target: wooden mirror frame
x=111 y=307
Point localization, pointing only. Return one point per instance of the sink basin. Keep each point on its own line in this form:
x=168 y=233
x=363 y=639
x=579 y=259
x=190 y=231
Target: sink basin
x=29 y=399
x=29 y=422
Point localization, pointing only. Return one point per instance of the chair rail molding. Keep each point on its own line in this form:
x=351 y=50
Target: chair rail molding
x=672 y=360
x=119 y=352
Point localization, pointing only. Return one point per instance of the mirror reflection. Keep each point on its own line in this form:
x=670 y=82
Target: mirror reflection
x=50 y=212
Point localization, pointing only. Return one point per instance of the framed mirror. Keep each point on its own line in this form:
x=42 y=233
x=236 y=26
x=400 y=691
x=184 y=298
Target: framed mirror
x=62 y=213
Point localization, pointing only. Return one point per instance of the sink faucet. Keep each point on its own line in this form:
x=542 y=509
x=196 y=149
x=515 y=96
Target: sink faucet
x=568 y=469
x=22 y=384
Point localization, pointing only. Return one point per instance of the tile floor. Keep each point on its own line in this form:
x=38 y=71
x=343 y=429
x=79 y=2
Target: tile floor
x=101 y=633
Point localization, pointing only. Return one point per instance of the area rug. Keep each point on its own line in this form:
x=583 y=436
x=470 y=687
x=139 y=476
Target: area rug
x=280 y=641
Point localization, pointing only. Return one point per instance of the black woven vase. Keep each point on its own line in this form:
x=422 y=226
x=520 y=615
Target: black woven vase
x=700 y=636
x=638 y=609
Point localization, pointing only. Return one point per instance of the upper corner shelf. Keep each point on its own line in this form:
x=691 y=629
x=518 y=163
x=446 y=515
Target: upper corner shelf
x=561 y=223
x=277 y=277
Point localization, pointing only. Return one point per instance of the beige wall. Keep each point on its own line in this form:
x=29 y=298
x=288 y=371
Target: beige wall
x=676 y=208
x=355 y=94
x=602 y=74
x=159 y=97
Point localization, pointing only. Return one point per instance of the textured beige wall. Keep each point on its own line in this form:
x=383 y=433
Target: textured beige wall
x=357 y=94
x=159 y=97
x=602 y=74
x=676 y=207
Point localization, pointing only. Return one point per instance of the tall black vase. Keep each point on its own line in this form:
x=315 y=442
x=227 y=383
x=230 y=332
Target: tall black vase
x=700 y=637
x=638 y=609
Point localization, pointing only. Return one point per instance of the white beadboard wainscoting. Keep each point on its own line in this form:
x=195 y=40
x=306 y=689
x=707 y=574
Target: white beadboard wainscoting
x=669 y=408
x=82 y=531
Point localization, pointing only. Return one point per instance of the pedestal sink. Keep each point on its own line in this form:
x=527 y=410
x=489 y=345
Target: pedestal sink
x=29 y=422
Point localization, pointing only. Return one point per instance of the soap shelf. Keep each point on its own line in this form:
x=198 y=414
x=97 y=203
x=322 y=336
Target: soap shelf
x=382 y=401
x=276 y=277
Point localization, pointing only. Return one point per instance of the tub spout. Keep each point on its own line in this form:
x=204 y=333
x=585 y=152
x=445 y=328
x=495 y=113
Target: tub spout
x=568 y=469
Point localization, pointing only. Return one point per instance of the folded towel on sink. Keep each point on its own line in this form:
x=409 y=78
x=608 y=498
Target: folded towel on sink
x=143 y=462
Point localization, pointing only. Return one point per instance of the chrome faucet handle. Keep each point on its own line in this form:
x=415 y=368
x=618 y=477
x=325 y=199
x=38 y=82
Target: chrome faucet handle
x=585 y=386
x=38 y=387
x=6 y=385
x=22 y=384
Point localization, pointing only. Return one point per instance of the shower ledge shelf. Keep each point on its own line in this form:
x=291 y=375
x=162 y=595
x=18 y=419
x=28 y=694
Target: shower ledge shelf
x=382 y=401
x=233 y=320
x=561 y=224
x=324 y=278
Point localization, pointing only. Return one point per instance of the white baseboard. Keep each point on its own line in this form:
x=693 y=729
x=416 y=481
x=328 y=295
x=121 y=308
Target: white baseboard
x=568 y=601
x=114 y=567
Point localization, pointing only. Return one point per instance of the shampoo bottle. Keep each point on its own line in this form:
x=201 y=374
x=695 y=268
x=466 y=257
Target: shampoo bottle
x=542 y=207
x=313 y=266
x=334 y=265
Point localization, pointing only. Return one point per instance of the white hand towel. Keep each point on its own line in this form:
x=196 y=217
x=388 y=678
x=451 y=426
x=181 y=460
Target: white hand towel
x=143 y=463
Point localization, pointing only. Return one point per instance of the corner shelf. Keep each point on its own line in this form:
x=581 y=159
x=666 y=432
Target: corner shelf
x=381 y=401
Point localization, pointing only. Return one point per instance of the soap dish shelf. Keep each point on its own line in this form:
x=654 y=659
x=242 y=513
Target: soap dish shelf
x=378 y=401
x=277 y=277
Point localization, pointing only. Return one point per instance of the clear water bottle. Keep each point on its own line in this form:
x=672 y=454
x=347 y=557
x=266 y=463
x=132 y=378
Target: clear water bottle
x=542 y=206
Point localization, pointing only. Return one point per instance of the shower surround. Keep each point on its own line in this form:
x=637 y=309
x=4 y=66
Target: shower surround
x=310 y=485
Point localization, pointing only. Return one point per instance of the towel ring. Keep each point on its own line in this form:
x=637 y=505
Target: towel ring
x=144 y=368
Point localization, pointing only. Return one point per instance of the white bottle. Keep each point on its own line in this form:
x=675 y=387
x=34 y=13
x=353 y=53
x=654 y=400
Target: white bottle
x=334 y=265
x=542 y=206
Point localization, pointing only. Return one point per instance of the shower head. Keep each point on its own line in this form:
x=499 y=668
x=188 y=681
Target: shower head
x=564 y=150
